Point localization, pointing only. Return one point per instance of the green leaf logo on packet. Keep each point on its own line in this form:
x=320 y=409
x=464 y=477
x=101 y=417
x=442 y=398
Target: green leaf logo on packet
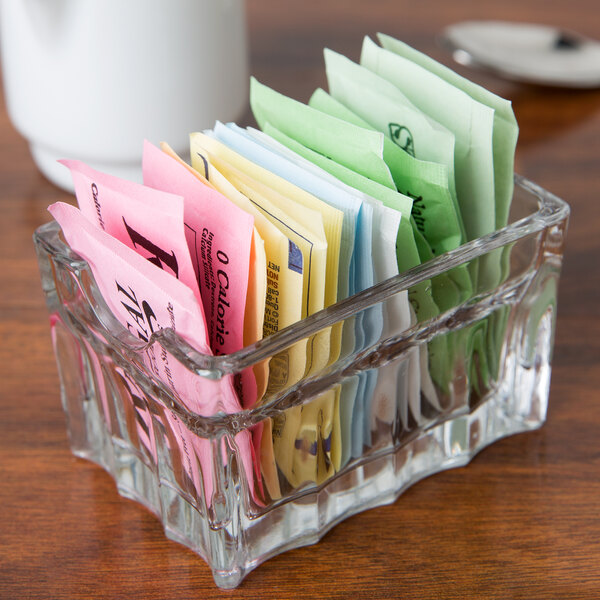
x=401 y=136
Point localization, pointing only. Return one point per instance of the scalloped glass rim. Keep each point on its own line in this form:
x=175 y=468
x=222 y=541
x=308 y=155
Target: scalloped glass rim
x=551 y=211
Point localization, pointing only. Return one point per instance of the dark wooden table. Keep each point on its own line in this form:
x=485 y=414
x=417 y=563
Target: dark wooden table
x=521 y=521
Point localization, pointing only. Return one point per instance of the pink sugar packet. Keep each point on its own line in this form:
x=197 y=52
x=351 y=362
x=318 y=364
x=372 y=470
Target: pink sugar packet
x=219 y=236
x=145 y=298
x=144 y=219
x=90 y=365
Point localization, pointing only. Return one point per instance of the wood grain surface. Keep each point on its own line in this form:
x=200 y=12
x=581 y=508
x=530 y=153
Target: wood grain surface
x=521 y=521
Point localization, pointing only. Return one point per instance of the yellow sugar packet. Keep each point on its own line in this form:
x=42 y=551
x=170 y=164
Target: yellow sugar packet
x=312 y=423
x=284 y=276
x=318 y=348
x=299 y=425
x=257 y=286
x=332 y=220
x=317 y=443
x=305 y=228
x=284 y=290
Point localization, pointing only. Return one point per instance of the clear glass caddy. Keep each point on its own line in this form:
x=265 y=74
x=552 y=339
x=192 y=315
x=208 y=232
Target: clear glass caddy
x=397 y=403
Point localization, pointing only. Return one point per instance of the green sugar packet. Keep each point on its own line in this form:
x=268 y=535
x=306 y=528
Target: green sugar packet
x=504 y=141
x=505 y=128
x=425 y=182
x=351 y=145
x=383 y=106
x=470 y=121
x=435 y=223
x=331 y=138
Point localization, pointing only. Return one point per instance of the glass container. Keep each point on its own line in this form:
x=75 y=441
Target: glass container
x=399 y=402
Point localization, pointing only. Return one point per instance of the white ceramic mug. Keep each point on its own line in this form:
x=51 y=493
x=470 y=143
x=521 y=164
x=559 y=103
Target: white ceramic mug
x=91 y=79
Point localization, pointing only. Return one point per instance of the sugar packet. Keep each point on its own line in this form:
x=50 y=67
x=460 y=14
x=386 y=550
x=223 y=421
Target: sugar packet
x=220 y=237
x=144 y=299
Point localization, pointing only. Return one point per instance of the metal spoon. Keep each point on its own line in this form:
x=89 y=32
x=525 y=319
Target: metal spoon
x=526 y=52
